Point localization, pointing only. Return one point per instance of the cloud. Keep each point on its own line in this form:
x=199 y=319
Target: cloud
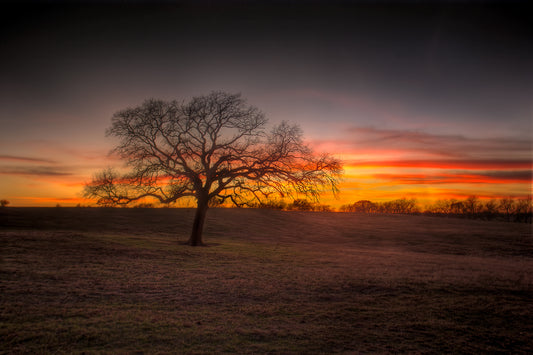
x=442 y=144
x=35 y=171
x=368 y=146
x=470 y=164
x=490 y=177
x=525 y=175
x=84 y=152
x=14 y=158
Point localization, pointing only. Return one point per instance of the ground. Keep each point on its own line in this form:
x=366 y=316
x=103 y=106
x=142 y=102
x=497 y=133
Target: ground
x=97 y=280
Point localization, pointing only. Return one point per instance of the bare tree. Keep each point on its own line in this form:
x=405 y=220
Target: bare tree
x=301 y=204
x=457 y=207
x=364 y=206
x=490 y=209
x=214 y=148
x=507 y=206
x=441 y=207
x=472 y=206
x=523 y=210
x=4 y=203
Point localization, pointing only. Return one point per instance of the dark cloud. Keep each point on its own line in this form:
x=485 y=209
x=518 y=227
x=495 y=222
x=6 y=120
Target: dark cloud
x=25 y=159
x=34 y=171
x=465 y=177
x=521 y=175
x=472 y=164
x=454 y=146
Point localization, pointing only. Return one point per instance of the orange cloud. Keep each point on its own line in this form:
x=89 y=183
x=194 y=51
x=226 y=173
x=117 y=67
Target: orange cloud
x=472 y=164
x=458 y=178
x=361 y=141
x=34 y=170
x=21 y=159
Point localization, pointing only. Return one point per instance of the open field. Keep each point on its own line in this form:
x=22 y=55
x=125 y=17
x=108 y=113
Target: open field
x=99 y=280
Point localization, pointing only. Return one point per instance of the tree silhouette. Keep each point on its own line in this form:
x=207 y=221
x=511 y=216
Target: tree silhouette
x=214 y=148
x=471 y=206
x=490 y=209
x=507 y=206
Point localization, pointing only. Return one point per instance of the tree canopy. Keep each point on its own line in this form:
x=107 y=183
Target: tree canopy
x=214 y=148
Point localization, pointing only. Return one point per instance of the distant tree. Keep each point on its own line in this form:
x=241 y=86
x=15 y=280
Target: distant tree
x=322 y=208
x=509 y=209
x=529 y=212
x=523 y=210
x=364 y=206
x=384 y=207
x=4 y=203
x=403 y=205
x=272 y=204
x=345 y=208
x=399 y=206
x=301 y=205
x=506 y=206
x=490 y=209
x=444 y=206
x=440 y=207
x=472 y=206
x=144 y=205
x=213 y=148
x=457 y=207
x=406 y=206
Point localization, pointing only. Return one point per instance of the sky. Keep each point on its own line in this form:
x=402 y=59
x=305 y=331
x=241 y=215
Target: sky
x=425 y=100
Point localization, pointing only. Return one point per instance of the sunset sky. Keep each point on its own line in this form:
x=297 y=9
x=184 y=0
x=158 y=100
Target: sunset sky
x=426 y=100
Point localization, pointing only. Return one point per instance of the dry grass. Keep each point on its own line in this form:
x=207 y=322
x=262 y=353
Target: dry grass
x=117 y=281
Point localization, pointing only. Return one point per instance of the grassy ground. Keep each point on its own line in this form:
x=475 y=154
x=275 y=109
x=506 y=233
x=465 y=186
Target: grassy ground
x=116 y=281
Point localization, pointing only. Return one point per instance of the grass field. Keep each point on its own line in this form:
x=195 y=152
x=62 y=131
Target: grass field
x=96 y=280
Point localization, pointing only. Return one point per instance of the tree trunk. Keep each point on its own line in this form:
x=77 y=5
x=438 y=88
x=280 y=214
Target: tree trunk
x=198 y=224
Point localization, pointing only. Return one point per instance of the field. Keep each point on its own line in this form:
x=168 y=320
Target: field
x=97 y=280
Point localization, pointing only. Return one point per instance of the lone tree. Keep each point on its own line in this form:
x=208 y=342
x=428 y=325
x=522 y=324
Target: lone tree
x=214 y=149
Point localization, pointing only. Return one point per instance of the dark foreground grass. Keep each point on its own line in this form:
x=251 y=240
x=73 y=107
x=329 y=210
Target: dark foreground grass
x=117 y=281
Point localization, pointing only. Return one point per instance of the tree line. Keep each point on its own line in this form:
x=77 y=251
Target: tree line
x=299 y=204
x=399 y=206
x=506 y=209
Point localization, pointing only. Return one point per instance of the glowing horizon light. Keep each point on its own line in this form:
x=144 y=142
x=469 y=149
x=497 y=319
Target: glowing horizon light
x=364 y=179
